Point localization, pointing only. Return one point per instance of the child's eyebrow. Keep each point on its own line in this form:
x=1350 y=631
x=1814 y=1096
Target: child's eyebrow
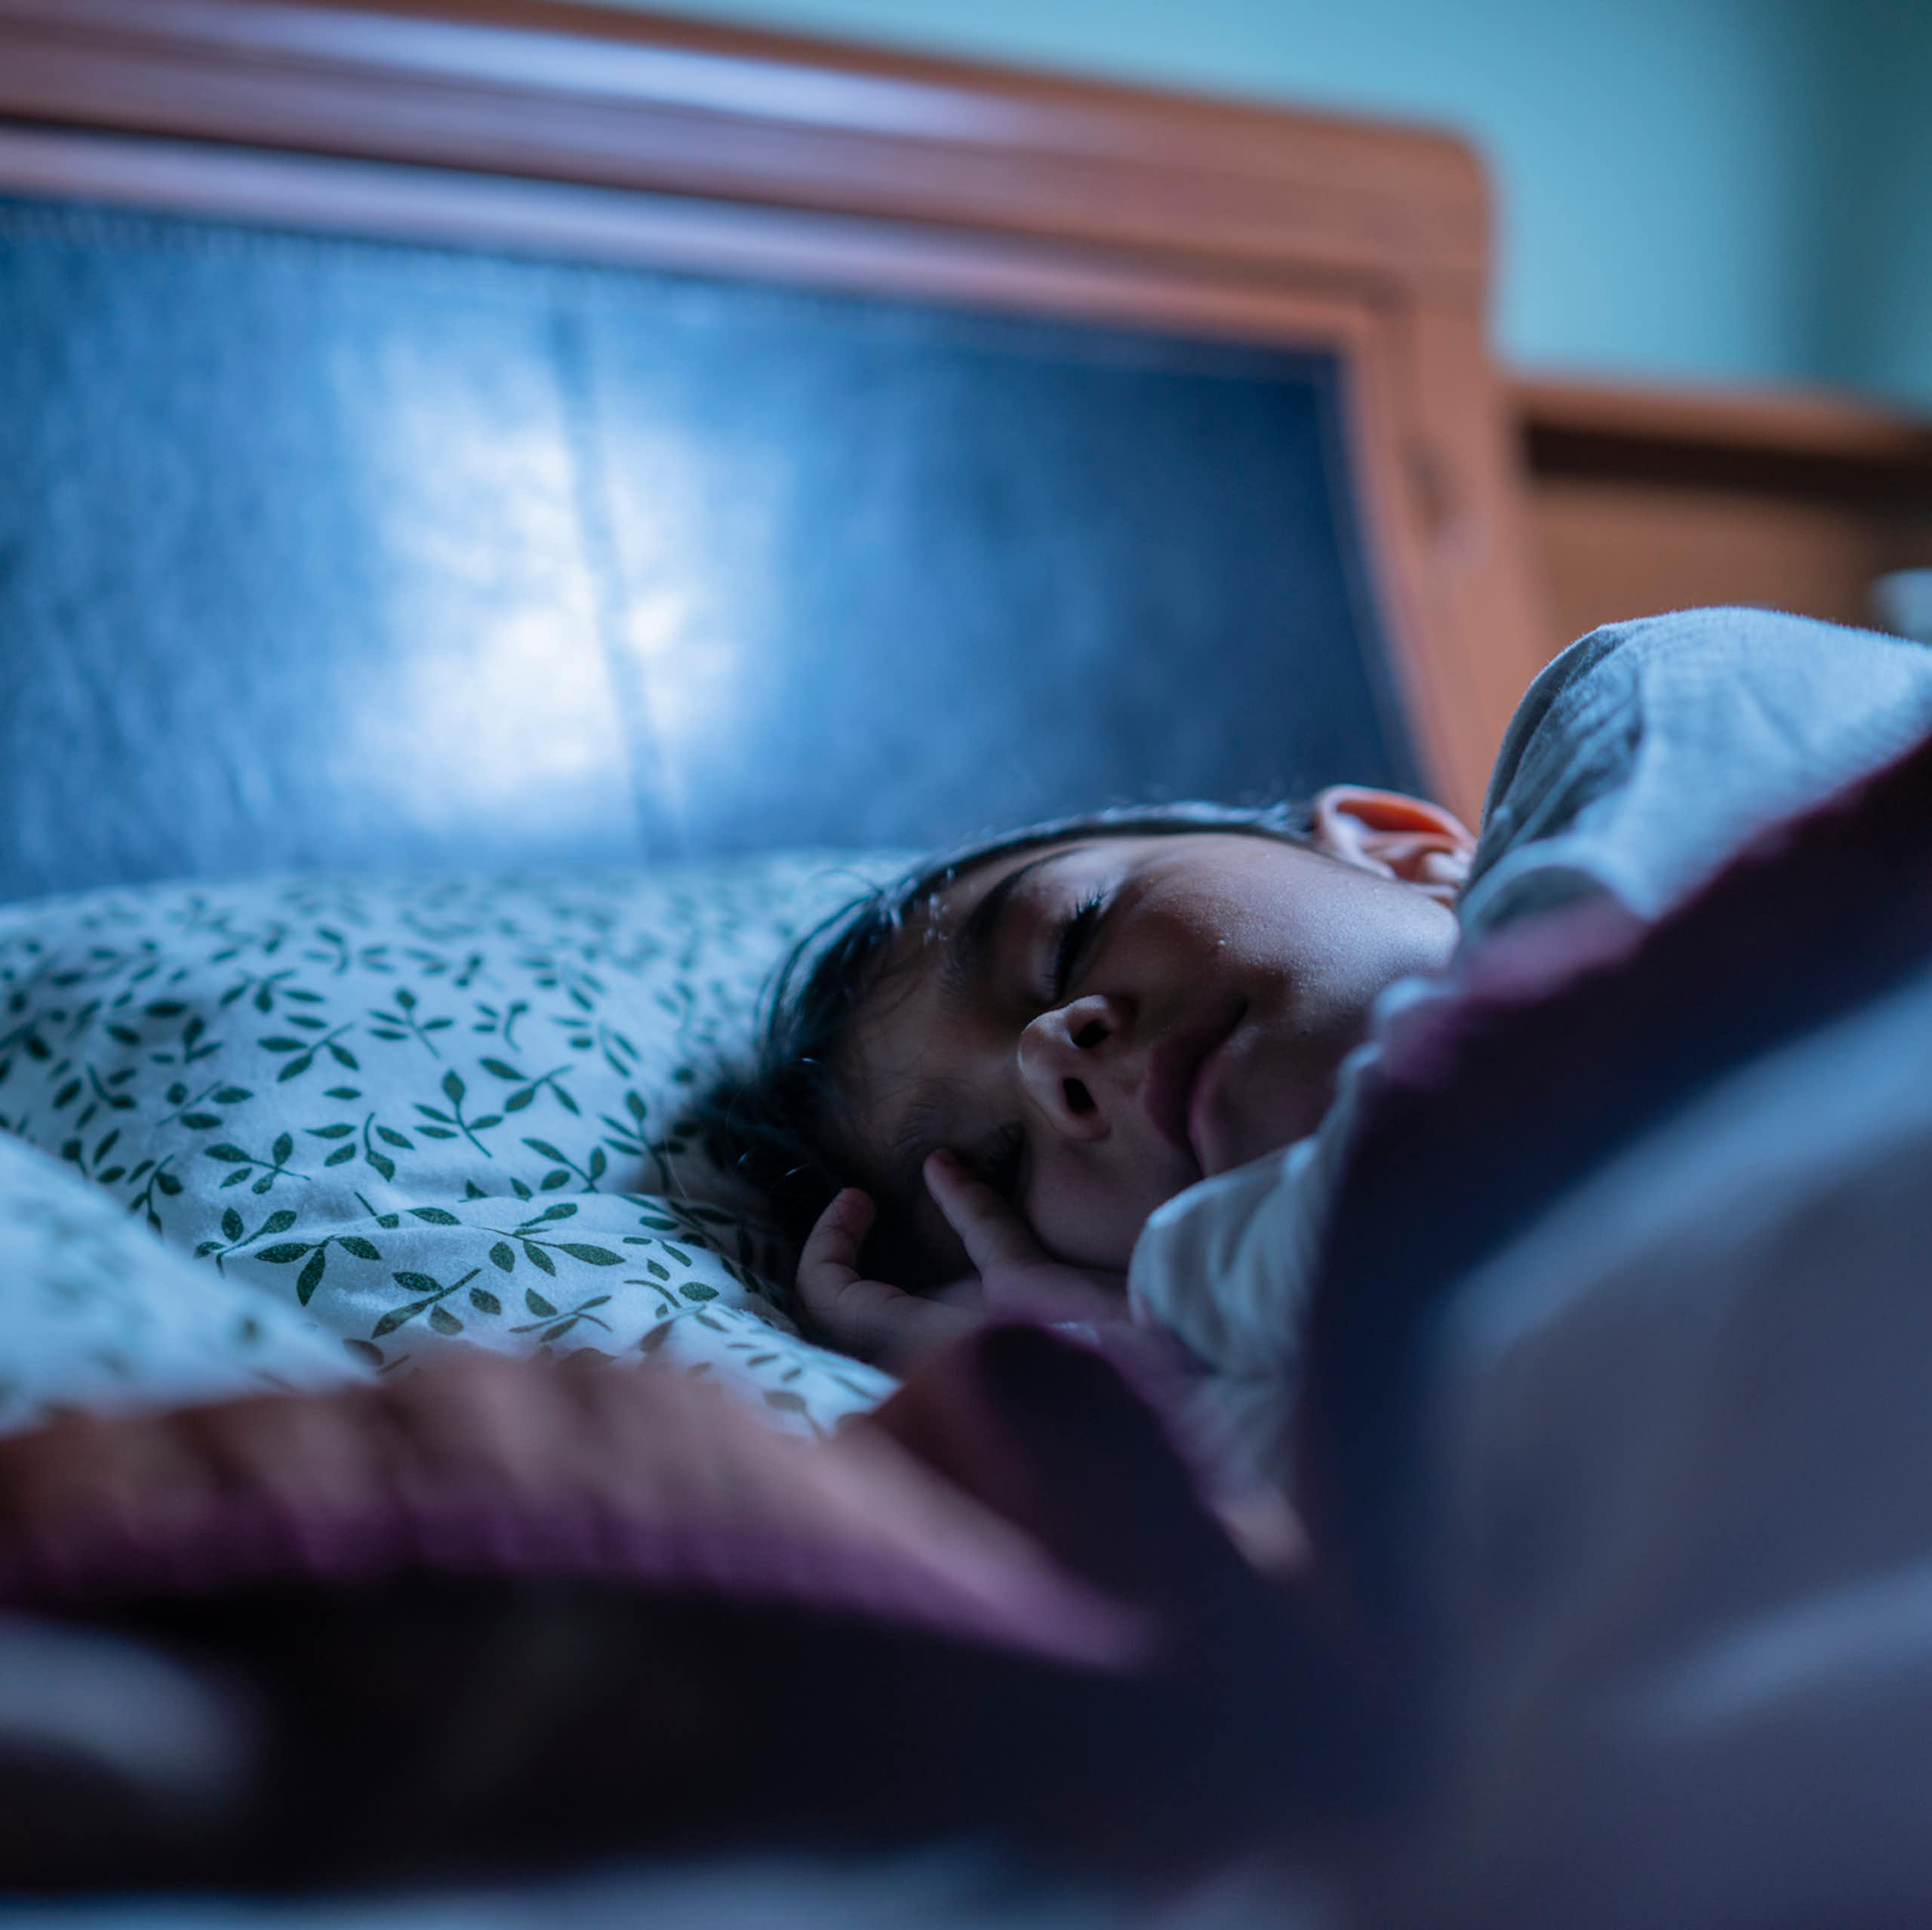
x=966 y=959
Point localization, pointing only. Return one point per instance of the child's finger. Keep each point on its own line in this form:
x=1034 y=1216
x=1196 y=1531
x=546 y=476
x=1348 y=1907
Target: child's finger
x=992 y=1234
x=829 y=1285
x=830 y=1256
x=871 y=1318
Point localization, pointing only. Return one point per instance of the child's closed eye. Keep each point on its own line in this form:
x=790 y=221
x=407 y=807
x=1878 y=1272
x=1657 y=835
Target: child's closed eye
x=1075 y=930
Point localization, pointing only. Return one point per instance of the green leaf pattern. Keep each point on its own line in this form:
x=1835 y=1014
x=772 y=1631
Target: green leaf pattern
x=419 y=1113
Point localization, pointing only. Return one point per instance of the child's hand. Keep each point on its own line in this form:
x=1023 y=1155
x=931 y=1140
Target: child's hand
x=1018 y=1275
x=871 y=1318
x=882 y=1323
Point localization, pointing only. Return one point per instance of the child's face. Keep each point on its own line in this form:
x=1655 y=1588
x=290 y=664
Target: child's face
x=1093 y=1026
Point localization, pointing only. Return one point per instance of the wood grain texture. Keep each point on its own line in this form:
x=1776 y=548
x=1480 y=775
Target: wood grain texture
x=1835 y=435
x=1645 y=499
x=570 y=129
x=587 y=93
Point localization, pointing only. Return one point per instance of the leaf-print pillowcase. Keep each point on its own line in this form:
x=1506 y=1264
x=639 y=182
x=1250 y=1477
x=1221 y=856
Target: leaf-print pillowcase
x=434 y=1112
x=97 y=1313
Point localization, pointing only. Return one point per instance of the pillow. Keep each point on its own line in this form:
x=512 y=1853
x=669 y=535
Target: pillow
x=98 y=1314
x=428 y=1113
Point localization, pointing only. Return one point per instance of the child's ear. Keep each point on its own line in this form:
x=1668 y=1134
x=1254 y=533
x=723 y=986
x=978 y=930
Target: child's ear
x=1399 y=836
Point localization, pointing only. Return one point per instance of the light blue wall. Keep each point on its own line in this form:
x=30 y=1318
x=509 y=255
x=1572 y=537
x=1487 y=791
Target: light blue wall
x=1872 y=294
x=1673 y=177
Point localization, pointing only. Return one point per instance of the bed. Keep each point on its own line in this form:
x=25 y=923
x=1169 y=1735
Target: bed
x=508 y=510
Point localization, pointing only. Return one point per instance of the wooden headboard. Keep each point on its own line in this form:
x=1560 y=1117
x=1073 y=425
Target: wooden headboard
x=1193 y=282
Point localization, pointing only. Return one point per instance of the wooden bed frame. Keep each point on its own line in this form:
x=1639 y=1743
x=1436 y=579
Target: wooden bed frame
x=642 y=139
x=1644 y=499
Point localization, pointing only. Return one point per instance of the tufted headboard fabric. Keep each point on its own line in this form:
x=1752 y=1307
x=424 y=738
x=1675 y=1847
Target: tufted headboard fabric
x=518 y=434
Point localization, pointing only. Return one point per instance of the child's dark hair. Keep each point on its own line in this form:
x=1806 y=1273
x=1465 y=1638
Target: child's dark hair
x=778 y=1119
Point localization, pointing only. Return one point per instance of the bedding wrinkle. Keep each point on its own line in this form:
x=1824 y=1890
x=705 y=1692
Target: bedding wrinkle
x=832 y=1642
x=1639 y=761
x=1635 y=1488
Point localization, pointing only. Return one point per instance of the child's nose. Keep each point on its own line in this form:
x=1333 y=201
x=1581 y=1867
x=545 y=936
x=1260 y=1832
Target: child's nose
x=1065 y=1058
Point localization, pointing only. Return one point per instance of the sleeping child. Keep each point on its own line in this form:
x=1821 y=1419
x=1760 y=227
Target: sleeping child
x=1107 y=1068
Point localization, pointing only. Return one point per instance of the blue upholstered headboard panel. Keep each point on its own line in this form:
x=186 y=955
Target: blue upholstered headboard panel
x=320 y=552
